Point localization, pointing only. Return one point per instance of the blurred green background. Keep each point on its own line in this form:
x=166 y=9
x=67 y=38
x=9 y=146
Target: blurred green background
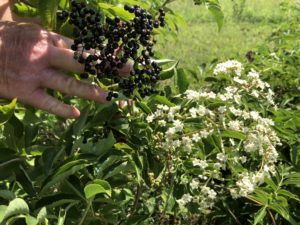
x=247 y=25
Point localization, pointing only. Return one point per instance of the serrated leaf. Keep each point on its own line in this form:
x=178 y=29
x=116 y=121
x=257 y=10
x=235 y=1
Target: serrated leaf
x=16 y=207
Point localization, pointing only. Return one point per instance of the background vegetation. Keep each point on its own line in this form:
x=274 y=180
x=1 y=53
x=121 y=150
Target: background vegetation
x=114 y=165
x=247 y=25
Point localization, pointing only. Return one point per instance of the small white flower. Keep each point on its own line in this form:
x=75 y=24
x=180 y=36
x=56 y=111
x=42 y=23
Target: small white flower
x=234 y=125
x=210 y=193
x=196 y=137
x=170 y=117
x=170 y=133
x=193 y=112
x=211 y=95
x=254 y=115
x=230 y=66
x=218 y=165
x=194 y=184
x=150 y=118
x=240 y=81
x=255 y=93
x=201 y=163
x=201 y=110
x=178 y=125
x=186 y=141
x=222 y=109
x=165 y=108
x=162 y=123
x=192 y=95
x=243 y=159
x=253 y=74
x=222 y=157
x=185 y=199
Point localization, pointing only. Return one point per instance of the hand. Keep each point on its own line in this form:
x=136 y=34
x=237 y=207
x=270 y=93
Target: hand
x=33 y=59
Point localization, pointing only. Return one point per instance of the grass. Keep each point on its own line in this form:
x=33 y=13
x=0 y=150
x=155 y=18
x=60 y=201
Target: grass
x=201 y=42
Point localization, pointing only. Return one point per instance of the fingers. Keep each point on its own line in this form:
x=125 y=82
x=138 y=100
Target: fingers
x=126 y=69
x=61 y=41
x=60 y=82
x=63 y=58
x=41 y=100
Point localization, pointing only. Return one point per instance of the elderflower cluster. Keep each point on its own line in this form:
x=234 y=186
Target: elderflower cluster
x=228 y=67
x=207 y=141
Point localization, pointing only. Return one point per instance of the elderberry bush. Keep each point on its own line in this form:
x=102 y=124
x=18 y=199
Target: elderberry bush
x=105 y=44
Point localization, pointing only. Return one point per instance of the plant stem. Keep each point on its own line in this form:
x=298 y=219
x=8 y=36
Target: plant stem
x=272 y=217
x=86 y=211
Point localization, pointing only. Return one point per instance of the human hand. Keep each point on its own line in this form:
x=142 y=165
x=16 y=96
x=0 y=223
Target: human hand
x=33 y=59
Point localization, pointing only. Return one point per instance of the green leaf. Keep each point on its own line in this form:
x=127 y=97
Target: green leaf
x=143 y=106
x=47 y=11
x=2 y=212
x=288 y=194
x=31 y=220
x=7 y=195
x=16 y=207
x=284 y=212
x=293 y=179
x=260 y=215
x=182 y=80
x=169 y=73
x=92 y=189
x=24 y=10
x=123 y=167
x=215 y=8
x=42 y=215
x=100 y=148
x=64 y=171
x=160 y=99
x=233 y=134
x=6 y=111
x=81 y=121
x=116 y=11
x=104 y=184
x=61 y=217
x=162 y=62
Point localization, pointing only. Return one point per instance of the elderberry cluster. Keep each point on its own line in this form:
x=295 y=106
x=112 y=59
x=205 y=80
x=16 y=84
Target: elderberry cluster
x=105 y=44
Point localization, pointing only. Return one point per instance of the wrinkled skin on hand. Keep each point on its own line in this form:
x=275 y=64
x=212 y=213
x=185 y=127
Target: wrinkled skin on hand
x=32 y=60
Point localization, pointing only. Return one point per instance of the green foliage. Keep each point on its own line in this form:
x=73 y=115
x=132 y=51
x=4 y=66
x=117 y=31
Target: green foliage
x=109 y=167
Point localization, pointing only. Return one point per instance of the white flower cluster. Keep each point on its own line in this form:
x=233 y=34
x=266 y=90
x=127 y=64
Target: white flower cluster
x=210 y=137
x=229 y=67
